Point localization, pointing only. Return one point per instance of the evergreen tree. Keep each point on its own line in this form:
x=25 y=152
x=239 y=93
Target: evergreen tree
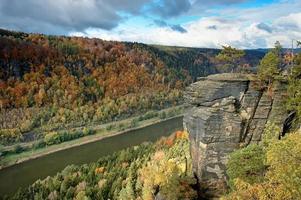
x=268 y=68
x=231 y=57
x=277 y=49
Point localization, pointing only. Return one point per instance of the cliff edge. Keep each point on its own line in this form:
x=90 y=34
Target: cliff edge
x=227 y=111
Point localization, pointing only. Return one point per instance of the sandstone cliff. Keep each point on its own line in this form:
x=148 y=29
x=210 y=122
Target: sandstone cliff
x=227 y=111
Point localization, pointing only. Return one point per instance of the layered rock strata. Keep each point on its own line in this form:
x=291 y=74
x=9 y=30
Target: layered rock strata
x=227 y=112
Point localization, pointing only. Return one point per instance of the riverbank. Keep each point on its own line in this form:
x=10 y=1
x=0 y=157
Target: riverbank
x=26 y=173
x=102 y=131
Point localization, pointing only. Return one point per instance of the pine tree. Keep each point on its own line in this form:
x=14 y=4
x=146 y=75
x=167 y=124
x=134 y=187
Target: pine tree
x=268 y=68
x=230 y=56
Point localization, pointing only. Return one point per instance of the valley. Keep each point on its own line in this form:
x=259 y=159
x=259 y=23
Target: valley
x=25 y=173
x=86 y=118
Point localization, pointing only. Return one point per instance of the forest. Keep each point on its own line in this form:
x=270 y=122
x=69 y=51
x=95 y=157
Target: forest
x=150 y=100
x=162 y=169
x=51 y=82
x=64 y=80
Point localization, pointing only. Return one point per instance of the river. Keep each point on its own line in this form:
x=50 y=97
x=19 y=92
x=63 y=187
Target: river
x=26 y=173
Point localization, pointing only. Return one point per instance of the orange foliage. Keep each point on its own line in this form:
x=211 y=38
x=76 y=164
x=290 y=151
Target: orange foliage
x=99 y=170
x=76 y=71
x=181 y=135
x=169 y=142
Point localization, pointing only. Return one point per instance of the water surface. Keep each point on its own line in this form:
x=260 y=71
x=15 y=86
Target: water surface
x=26 y=173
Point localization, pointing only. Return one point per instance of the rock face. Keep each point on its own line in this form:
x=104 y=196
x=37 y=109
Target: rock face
x=227 y=111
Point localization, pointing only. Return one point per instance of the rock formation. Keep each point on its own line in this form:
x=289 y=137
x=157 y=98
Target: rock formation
x=227 y=111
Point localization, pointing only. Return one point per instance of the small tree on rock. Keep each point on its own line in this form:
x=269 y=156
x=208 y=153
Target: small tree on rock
x=269 y=67
x=231 y=57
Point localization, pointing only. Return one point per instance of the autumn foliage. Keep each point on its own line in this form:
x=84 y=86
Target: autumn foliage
x=146 y=171
x=54 y=81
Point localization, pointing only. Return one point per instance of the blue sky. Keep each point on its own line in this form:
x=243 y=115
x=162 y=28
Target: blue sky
x=194 y=23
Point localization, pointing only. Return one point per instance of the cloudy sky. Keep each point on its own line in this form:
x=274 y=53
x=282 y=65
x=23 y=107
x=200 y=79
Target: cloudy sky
x=195 y=23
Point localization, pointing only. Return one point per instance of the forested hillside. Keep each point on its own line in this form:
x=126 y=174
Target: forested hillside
x=51 y=81
x=162 y=169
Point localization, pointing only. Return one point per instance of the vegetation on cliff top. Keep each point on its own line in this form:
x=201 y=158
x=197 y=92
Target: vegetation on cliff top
x=271 y=169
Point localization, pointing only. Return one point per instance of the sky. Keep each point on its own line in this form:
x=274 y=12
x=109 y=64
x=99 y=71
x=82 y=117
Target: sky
x=192 y=23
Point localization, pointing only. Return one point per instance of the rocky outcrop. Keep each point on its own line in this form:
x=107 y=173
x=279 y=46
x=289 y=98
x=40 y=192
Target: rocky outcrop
x=227 y=111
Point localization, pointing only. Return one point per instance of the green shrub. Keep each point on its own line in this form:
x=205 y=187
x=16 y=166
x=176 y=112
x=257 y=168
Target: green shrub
x=39 y=144
x=10 y=136
x=271 y=133
x=110 y=127
x=52 y=138
x=282 y=178
x=121 y=126
x=26 y=126
x=247 y=164
x=87 y=131
x=162 y=115
x=59 y=137
x=134 y=123
x=18 y=149
x=148 y=115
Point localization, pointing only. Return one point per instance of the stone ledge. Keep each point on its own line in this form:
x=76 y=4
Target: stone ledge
x=228 y=77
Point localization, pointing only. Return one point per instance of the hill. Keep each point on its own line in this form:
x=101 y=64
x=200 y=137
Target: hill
x=50 y=81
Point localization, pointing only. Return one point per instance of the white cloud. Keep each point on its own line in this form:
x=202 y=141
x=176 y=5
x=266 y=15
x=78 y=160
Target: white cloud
x=243 y=28
x=292 y=21
x=211 y=32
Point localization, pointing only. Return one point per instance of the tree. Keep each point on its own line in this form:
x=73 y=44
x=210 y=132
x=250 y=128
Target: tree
x=268 y=68
x=230 y=56
x=293 y=101
x=127 y=192
x=277 y=49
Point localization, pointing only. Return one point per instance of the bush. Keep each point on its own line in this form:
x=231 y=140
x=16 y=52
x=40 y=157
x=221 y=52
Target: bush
x=52 y=138
x=284 y=160
x=148 y=115
x=39 y=144
x=162 y=115
x=18 y=149
x=87 y=131
x=121 y=126
x=134 y=123
x=10 y=136
x=110 y=127
x=26 y=126
x=283 y=177
x=56 y=137
x=171 y=113
x=247 y=164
